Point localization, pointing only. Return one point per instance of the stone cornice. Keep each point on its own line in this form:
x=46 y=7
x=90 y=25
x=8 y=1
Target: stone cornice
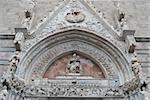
x=142 y=39
x=5 y=36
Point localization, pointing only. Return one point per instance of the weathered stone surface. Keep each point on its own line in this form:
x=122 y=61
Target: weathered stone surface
x=6 y=43
x=5 y=55
x=109 y=67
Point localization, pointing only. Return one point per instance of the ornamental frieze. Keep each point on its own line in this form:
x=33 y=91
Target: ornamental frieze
x=72 y=91
x=71 y=88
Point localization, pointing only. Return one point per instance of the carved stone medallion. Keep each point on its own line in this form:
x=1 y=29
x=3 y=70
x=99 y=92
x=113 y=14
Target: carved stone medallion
x=75 y=17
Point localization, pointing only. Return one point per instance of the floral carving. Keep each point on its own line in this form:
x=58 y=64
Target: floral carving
x=71 y=91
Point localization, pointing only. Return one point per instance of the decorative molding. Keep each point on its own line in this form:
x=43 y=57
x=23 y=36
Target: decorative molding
x=142 y=39
x=31 y=42
x=72 y=91
x=72 y=88
x=7 y=36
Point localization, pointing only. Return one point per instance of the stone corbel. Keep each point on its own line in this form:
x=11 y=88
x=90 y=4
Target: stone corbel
x=128 y=37
x=20 y=34
x=131 y=43
x=131 y=86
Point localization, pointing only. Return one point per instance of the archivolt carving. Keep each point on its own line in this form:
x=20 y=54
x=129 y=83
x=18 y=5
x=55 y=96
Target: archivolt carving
x=37 y=57
x=49 y=56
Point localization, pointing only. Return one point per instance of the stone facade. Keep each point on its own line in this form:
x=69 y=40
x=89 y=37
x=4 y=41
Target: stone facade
x=74 y=49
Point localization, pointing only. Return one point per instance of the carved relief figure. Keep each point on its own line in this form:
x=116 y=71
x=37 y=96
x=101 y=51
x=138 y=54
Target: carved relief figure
x=74 y=64
x=60 y=68
x=136 y=68
x=13 y=62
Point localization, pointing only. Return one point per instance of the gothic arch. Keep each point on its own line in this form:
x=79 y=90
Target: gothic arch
x=113 y=60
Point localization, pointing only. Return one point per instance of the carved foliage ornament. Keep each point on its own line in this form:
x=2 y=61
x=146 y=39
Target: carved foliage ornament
x=71 y=91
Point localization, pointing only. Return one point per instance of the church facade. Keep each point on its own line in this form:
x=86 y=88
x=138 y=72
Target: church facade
x=74 y=52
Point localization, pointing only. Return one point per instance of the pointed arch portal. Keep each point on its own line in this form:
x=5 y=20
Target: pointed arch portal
x=74 y=54
x=105 y=54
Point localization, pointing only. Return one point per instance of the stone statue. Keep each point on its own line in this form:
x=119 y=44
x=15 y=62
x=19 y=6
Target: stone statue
x=15 y=59
x=136 y=68
x=74 y=64
x=13 y=62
